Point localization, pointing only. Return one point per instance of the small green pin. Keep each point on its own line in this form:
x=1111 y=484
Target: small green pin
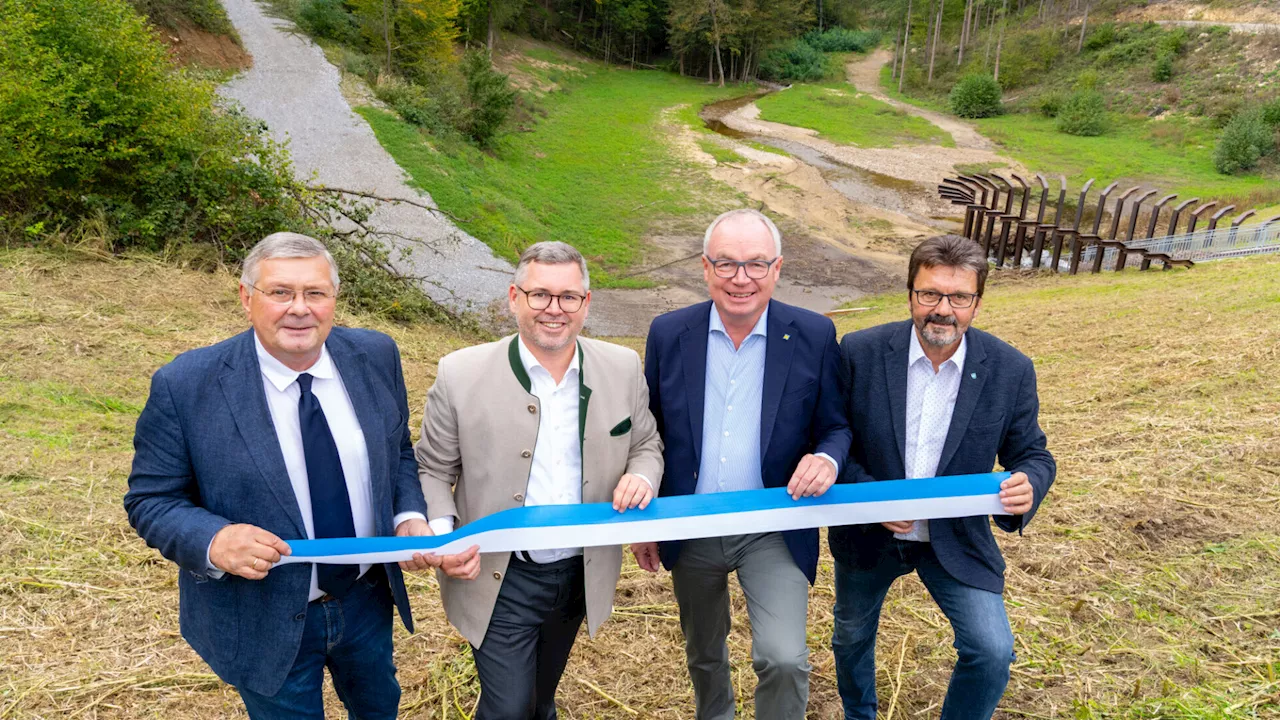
x=973 y=375
x=786 y=337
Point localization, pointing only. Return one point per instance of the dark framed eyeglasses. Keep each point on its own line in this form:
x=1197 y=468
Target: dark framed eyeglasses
x=931 y=298
x=756 y=269
x=569 y=302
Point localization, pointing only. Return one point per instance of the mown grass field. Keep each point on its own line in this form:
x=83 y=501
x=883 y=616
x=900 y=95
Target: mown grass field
x=1145 y=588
x=595 y=171
x=843 y=115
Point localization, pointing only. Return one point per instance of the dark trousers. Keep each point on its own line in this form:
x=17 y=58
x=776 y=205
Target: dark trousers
x=983 y=640
x=534 y=623
x=352 y=637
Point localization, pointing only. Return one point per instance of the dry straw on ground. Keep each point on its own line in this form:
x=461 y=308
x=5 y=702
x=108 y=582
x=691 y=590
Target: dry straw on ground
x=1146 y=587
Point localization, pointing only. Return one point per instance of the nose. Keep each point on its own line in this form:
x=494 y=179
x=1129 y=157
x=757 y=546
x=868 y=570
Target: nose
x=299 y=305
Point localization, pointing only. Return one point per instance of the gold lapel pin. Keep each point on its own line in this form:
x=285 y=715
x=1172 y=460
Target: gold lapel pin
x=786 y=337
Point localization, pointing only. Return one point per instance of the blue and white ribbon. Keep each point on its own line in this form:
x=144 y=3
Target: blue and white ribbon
x=686 y=517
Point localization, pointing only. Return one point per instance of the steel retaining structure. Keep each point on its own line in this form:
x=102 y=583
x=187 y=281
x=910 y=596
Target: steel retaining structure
x=1069 y=241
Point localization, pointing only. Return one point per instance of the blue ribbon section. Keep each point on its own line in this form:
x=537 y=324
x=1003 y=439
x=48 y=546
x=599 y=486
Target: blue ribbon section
x=684 y=506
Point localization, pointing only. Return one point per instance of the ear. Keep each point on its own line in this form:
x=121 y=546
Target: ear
x=244 y=299
x=513 y=298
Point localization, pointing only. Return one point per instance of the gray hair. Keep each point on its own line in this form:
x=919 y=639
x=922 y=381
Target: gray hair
x=285 y=245
x=744 y=212
x=551 y=252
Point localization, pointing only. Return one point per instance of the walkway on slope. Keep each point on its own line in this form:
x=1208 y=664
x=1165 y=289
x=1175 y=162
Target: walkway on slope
x=294 y=89
x=864 y=73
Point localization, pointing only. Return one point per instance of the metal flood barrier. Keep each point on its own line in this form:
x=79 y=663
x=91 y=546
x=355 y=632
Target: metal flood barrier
x=1068 y=241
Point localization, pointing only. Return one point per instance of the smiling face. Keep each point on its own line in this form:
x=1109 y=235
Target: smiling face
x=740 y=299
x=551 y=329
x=942 y=326
x=295 y=332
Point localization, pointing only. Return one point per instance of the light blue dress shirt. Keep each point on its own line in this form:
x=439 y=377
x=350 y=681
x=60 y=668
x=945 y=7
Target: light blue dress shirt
x=731 y=409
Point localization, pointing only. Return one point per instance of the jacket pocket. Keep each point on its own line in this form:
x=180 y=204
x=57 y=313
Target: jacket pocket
x=621 y=428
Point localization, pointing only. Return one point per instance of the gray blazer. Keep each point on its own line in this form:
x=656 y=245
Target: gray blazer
x=476 y=451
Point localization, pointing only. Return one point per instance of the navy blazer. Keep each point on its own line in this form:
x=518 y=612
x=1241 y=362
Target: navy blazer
x=995 y=417
x=801 y=409
x=206 y=455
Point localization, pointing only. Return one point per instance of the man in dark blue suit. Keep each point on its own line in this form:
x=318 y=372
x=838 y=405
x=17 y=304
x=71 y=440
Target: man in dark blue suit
x=958 y=399
x=746 y=394
x=293 y=429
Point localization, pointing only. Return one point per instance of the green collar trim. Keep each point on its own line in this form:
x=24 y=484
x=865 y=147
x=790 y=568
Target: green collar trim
x=517 y=367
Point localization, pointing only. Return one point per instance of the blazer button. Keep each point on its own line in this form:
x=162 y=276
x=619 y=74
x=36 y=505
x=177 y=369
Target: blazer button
x=533 y=408
x=526 y=453
x=497 y=575
x=519 y=497
x=300 y=616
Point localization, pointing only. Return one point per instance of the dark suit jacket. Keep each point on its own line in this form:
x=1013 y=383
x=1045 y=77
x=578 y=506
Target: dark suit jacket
x=995 y=417
x=206 y=455
x=801 y=410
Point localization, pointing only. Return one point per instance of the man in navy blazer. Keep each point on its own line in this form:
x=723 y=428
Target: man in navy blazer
x=957 y=399
x=292 y=429
x=746 y=394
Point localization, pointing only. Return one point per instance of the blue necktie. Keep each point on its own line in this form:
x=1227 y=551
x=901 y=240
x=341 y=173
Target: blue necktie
x=330 y=503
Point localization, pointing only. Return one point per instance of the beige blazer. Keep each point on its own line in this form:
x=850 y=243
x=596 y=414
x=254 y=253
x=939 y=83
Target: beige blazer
x=476 y=451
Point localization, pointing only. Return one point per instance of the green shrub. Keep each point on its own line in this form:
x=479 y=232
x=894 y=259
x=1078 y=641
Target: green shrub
x=1271 y=113
x=797 y=61
x=1174 y=42
x=490 y=98
x=1083 y=113
x=96 y=123
x=1050 y=104
x=1100 y=37
x=329 y=19
x=976 y=96
x=1162 y=70
x=838 y=39
x=1243 y=142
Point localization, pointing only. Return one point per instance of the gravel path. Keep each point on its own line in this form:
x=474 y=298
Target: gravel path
x=864 y=74
x=295 y=90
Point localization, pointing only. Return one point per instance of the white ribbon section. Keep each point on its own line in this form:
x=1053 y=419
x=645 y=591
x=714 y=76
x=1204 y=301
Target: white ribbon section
x=678 y=518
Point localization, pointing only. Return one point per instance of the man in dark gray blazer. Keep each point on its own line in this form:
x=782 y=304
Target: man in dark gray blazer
x=958 y=399
x=292 y=429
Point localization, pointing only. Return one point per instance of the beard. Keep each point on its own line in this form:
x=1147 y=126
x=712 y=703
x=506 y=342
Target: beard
x=939 y=331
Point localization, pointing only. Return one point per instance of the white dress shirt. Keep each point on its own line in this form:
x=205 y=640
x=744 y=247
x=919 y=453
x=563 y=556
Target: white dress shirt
x=931 y=399
x=281 y=387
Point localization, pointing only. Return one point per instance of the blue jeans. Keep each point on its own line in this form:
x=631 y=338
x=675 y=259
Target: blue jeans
x=983 y=641
x=352 y=637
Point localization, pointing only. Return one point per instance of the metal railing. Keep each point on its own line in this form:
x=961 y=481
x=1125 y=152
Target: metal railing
x=1069 y=241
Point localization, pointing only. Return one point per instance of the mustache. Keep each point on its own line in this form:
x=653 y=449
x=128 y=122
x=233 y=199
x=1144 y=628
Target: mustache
x=940 y=319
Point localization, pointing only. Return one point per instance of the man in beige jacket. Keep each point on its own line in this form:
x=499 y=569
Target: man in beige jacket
x=542 y=417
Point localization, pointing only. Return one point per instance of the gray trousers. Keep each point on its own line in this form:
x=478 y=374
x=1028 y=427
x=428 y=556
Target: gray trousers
x=777 y=606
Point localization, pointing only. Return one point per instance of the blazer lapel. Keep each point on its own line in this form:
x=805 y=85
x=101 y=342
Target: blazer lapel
x=972 y=377
x=353 y=365
x=777 y=368
x=693 y=351
x=895 y=376
x=241 y=382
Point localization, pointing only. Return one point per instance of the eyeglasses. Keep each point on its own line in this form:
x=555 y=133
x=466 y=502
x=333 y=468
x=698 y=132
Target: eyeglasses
x=931 y=298
x=756 y=269
x=541 y=300
x=286 y=296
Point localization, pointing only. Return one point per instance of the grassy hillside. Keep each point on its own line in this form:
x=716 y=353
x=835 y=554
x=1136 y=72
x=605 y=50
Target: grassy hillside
x=843 y=115
x=1168 y=92
x=594 y=169
x=1146 y=587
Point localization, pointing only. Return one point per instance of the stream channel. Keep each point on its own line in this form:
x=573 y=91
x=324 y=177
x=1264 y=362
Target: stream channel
x=904 y=197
